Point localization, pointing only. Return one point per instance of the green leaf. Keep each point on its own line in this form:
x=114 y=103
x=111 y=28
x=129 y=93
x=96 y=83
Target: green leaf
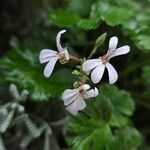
x=123 y=13
x=87 y=24
x=62 y=18
x=114 y=13
x=92 y=134
x=146 y=74
x=125 y=138
x=143 y=41
x=122 y=104
x=94 y=127
x=79 y=7
x=114 y=16
x=28 y=74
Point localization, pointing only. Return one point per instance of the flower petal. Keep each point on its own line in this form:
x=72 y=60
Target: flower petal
x=121 y=51
x=85 y=87
x=60 y=49
x=113 y=43
x=97 y=73
x=91 y=93
x=50 y=66
x=91 y=64
x=71 y=99
x=66 y=53
x=113 y=75
x=69 y=92
x=46 y=55
x=78 y=104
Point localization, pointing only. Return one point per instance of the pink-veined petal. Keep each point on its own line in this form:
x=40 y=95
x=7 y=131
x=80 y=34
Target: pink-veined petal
x=112 y=73
x=121 y=51
x=69 y=93
x=77 y=105
x=91 y=64
x=50 y=66
x=60 y=49
x=112 y=44
x=97 y=73
x=91 y=93
x=46 y=55
x=71 y=99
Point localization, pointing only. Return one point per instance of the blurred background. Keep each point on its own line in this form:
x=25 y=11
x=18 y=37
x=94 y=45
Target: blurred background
x=27 y=26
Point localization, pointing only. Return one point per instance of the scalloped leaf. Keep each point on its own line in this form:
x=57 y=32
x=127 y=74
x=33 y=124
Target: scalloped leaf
x=93 y=128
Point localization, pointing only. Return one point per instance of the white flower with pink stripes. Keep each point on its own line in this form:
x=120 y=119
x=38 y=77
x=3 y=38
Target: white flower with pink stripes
x=97 y=66
x=74 y=98
x=50 y=56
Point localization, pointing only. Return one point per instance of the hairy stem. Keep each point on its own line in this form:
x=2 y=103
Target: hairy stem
x=74 y=58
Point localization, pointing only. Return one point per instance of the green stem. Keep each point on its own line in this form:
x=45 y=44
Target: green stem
x=93 y=52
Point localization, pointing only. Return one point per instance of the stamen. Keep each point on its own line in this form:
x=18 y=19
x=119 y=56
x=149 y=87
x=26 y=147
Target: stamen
x=105 y=58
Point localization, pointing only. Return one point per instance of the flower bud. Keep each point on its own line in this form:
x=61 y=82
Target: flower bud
x=100 y=40
x=76 y=84
x=63 y=60
x=75 y=72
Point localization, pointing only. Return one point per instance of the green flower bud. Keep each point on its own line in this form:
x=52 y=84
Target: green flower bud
x=100 y=40
x=63 y=60
x=76 y=84
x=76 y=72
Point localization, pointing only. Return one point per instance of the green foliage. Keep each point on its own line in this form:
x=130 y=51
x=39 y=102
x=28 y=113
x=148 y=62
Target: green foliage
x=87 y=24
x=112 y=12
x=28 y=74
x=146 y=84
x=68 y=20
x=122 y=104
x=123 y=13
x=146 y=74
x=80 y=7
x=104 y=123
x=59 y=18
x=124 y=138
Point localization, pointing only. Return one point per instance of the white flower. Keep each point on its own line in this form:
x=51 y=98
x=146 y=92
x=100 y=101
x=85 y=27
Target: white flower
x=98 y=65
x=74 y=98
x=51 y=56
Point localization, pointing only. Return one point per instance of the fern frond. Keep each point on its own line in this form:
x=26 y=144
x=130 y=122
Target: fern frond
x=26 y=141
x=46 y=142
x=2 y=145
x=6 y=122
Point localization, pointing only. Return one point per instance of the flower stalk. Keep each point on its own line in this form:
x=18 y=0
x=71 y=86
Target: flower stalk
x=75 y=59
x=92 y=52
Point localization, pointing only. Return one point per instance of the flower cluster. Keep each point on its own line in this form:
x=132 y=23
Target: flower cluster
x=74 y=98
